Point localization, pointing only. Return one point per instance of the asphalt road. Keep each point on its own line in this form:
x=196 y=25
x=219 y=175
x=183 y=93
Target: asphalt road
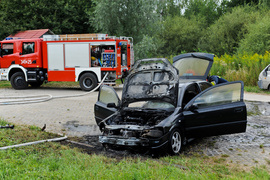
x=73 y=116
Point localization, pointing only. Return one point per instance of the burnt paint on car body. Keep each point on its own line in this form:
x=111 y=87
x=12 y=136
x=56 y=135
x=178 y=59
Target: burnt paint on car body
x=188 y=107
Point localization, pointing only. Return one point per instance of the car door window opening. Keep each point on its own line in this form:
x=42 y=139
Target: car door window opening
x=221 y=95
x=191 y=91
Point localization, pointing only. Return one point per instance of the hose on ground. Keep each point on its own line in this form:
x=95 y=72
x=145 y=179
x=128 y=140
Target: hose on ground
x=34 y=142
x=42 y=98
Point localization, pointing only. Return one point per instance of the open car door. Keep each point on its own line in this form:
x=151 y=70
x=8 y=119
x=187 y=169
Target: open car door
x=217 y=110
x=107 y=95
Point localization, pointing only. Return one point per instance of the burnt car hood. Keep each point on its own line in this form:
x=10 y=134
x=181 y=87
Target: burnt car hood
x=151 y=79
x=193 y=65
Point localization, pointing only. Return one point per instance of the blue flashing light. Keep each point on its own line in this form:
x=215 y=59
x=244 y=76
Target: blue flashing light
x=9 y=38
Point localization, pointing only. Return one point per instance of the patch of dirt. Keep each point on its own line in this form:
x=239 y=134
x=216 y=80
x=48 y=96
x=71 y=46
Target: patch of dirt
x=246 y=149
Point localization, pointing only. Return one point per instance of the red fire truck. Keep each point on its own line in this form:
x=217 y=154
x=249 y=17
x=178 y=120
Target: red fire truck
x=83 y=57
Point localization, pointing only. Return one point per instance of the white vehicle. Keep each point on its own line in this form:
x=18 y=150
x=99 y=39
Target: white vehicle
x=264 y=78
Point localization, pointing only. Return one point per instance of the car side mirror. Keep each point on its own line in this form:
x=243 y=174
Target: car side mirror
x=193 y=107
x=112 y=105
x=1 y=52
x=264 y=73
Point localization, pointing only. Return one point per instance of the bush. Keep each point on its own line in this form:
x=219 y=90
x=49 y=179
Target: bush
x=240 y=67
x=257 y=38
x=225 y=34
x=146 y=48
x=180 y=34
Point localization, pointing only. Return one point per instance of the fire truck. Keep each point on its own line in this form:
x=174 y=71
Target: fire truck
x=86 y=58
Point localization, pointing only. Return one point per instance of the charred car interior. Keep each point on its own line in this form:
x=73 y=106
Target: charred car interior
x=164 y=105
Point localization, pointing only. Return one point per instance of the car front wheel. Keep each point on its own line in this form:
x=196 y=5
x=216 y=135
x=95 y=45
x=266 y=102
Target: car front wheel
x=175 y=142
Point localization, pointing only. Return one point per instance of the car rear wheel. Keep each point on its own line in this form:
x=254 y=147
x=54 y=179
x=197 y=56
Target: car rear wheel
x=17 y=81
x=88 y=82
x=175 y=142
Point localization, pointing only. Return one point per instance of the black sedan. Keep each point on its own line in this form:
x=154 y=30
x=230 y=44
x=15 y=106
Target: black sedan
x=163 y=106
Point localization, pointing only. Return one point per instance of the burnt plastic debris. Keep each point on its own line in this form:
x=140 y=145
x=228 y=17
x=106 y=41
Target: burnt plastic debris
x=7 y=126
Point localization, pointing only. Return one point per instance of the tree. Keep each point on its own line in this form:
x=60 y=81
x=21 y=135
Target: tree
x=126 y=18
x=257 y=38
x=225 y=34
x=180 y=34
x=61 y=16
x=235 y=3
x=208 y=9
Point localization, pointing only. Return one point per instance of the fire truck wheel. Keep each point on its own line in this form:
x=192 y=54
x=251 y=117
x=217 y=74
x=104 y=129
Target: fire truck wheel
x=17 y=81
x=36 y=84
x=88 y=82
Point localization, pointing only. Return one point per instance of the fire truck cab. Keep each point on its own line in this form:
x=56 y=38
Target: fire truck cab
x=85 y=58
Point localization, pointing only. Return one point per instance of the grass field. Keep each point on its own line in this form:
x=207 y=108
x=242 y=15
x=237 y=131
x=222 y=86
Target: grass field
x=57 y=161
x=6 y=84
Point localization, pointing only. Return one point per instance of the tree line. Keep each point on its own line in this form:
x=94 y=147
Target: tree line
x=160 y=28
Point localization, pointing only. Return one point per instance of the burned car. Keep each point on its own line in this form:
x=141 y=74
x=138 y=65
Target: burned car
x=163 y=106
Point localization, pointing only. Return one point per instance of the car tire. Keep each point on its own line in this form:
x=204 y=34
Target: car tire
x=175 y=142
x=268 y=87
x=88 y=81
x=36 y=84
x=17 y=81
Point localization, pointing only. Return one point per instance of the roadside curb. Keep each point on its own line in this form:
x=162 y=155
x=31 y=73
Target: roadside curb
x=256 y=97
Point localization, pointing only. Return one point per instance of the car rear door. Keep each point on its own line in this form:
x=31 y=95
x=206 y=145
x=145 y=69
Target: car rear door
x=217 y=110
x=106 y=95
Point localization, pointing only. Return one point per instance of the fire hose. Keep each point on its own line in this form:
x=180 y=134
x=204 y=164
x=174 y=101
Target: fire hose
x=42 y=98
x=35 y=142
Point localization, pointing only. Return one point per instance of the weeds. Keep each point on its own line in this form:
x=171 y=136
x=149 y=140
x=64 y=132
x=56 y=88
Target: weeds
x=241 y=67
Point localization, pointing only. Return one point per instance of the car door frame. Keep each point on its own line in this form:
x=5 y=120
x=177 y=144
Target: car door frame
x=101 y=109
x=200 y=122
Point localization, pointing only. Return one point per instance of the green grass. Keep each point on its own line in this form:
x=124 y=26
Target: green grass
x=22 y=134
x=256 y=89
x=56 y=161
x=6 y=84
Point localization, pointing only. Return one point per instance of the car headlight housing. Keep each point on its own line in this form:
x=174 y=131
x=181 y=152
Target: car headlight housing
x=153 y=133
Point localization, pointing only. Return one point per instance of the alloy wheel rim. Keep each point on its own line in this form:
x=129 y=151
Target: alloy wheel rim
x=176 y=142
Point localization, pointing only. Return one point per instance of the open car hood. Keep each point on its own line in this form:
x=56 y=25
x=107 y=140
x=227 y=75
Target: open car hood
x=151 y=79
x=193 y=65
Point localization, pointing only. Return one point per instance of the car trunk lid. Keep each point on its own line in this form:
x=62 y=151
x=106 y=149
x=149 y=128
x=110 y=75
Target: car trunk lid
x=193 y=65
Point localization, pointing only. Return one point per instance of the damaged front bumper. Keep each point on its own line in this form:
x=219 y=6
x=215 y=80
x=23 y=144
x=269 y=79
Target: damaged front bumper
x=123 y=141
x=135 y=142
